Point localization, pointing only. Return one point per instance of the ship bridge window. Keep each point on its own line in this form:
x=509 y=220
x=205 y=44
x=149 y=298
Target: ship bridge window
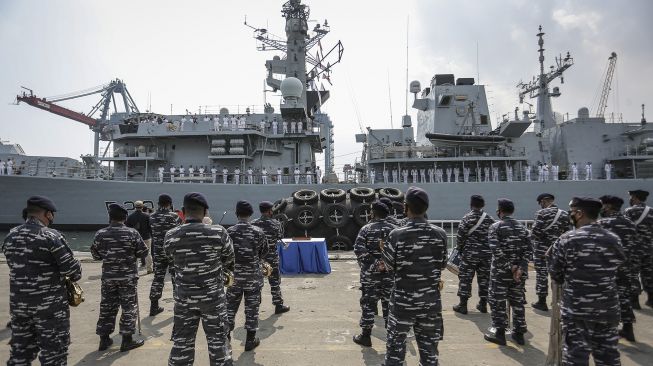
x=484 y=119
x=444 y=100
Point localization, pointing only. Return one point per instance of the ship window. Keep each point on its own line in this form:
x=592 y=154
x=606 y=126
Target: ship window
x=484 y=119
x=444 y=100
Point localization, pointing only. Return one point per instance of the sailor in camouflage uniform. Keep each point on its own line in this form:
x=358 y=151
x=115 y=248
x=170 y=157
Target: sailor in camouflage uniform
x=472 y=243
x=416 y=253
x=274 y=233
x=590 y=314
x=161 y=221
x=250 y=247
x=375 y=280
x=118 y=247
x=613 y=220
x=642 y=216
x=511 y=250
x=392 y=214
x=550 y=223
x=202 y=258
x=39 y=259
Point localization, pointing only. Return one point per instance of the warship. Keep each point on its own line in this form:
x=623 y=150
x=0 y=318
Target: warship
x=259 y=154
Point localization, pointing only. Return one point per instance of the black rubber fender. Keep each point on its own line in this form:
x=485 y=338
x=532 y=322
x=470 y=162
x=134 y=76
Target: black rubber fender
x=391 y=193
x=306 y=217
x=362 y=214
x=283 y=220
x=339 y=242
x=305 y=196
x=279 y=206
x=335 y=215
x=361 y=194
x=333 y=195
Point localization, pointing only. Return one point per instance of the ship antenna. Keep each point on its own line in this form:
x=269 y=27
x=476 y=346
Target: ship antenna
x=390 y=101
x=478 y=73
x=407 y=30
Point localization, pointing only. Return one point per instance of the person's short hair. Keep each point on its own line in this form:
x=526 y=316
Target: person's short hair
x=591 y=207
x=417 y=207
x=192 y=209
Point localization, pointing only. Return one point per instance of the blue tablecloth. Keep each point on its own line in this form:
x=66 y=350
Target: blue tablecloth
x=303 y=257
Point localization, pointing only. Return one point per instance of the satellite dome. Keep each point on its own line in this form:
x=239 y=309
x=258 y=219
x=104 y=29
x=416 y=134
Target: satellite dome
x=291 y=87
x=584 y=113
x=415 y=86
x=276 y=58
x=224 y=111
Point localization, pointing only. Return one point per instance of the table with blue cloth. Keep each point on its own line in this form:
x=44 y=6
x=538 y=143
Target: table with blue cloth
x=303 y=256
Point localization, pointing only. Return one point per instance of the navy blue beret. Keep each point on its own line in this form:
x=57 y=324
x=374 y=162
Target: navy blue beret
x=244 y=208
x=505 y=204
x=42 y=202
x=195 y=198
x=265 y=205
x=416 y=194
x=116 y=210
x=613 y=201
x=639 y=194
x=380 y=206
x=165 y=199
x=545 y=196
x=587 y=203
x=477 y=201
x=386 y=201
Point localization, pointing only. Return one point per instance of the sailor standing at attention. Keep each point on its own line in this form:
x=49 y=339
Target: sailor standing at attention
x=394 y=176
x=39 y=259
x=456 y=174
x=588 y=171
x=608 y=171
x=509 y=173
x=161 y=169
x=140 y=221
x=486 y=172
x=574 y=171
x=372 y=175
x=214 y=174
x=182 y=171
x=293 y=127
x=285 y=127
x=511 y=251
x=225 y=175
x=495 y=174
x=275 y=126
x=472 y=243
x=250 y=175
x=309 y=175
x=466 y=172
x=264 y=176
x=527 y=173
x=172 y=173
x=202 y=258
x=385 y=176
x=237 y=176
x=279 y=176
x=540 y=173
x=449 y=171
x=2 y=167
x=250 y=248
x=318 y=175
x=10 y=166
x=118 y=247
x=416 y=253
x=590 y=314
x=550 y=222
x=202 y=170
x=642 y=216
x=191 y=171
x=404 y=173
x=297 y=176
x=431 y=172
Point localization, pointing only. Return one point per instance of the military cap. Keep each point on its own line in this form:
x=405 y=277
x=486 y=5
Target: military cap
x=639 y=194
x=117 y=211
x=545 y=196
x=587 y=203
x=380 y=206
x=477 y=201
x=386 y=201
x=416 y=194
x=244 y=208
x=613 y=201
x=195 y=198
x=165 y=199
x=265 y=205
x=505 y=204
x=42 y=202
x=138 y=204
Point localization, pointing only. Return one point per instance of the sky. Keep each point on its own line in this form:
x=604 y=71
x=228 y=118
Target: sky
x=183 y=55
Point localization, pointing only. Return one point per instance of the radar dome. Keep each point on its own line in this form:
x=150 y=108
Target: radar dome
x=224 y=111
x=276 y=58
x=584 y=113
x=291 y=87
x=415 y=86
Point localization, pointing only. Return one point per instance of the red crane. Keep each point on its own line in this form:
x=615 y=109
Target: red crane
x=42 y=103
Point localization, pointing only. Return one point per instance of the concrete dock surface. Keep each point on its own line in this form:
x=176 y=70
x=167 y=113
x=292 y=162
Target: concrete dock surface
x=318 y=329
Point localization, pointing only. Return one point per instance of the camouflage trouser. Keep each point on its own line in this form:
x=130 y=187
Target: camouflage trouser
x=581 y=338
x=117 y=294
x=625 y=290
x=469 y=266
x=541 y=270
x=503 y=288
x=252 y=294
x=428 y=332
x=275 y=278
x=373 y=289
x=184 y=331
x=643 y=268
x=161 y=266
x=42 y=331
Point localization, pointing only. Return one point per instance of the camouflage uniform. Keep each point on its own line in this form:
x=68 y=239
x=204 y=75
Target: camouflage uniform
x=250 y=246
x=415 y=298
x=510 y=245
x=543 y=235
x=642 y=257
x=200 y=254
x=476 y=254
x=274 y=233
x=39 y=258
x=590 y=314
x=118 y=247
x=375 y=285
x=161 y=221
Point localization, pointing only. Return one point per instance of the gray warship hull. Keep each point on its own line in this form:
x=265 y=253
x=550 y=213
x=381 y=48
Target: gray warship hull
x=82 y=203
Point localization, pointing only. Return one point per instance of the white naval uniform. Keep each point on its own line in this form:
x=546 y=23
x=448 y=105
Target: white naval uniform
x=161 y=174
x=279 y=176
x=296 y=175
x=264 y=176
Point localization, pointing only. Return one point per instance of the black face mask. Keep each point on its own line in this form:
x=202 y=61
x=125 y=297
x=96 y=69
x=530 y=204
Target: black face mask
x=573 y=220
x=632 y=203
x=604 y=212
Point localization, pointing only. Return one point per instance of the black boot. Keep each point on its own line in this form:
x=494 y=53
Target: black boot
x=482 y=306
x=252 y=340
x=634 y=301
x=462 y=307
x=105 y=342
x=128 y=343
x=364 y=339
x=518 y=337
x=155 y=308
x=280 y=309
x=649 y=301
x=497 y=336
x=540 y=304
x=627 y=332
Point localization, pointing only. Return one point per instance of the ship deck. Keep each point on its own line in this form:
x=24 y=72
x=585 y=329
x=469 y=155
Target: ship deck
x=317 y=331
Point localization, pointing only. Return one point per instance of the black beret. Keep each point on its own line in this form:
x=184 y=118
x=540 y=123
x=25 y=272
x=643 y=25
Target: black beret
x=380 y=206
x=265 y=205
x=545 y=196
x=42 y=202
x=386 y=201
x=477 y=201
x=244 y=208
x=416 y=194
x=195 y=198
x=505 y=204
x=613 y=201
x=639 y=194
x=116 y=210
x=165 y=199
x=587 y=203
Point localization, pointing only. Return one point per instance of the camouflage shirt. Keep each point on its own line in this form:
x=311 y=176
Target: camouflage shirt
x=273 y=232
x=38 y=258
x=161 y=221
x=543 y=218
x=625 y=229
x=416 y=253
x=199 y=254
x=474 y=244
x=585 y=260
x=368 y=244
x=510 y=245
x=644 y=229
x=250 y=247
x=118 y=247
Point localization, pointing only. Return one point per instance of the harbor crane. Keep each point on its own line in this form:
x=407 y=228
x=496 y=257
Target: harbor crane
x=607 y=83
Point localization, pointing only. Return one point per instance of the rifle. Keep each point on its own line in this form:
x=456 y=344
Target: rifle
x=224 y=213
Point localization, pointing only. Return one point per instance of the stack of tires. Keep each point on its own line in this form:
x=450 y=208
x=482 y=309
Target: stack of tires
x=332 y=213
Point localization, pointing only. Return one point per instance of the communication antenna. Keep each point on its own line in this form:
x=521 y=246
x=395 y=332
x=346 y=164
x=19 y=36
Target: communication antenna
x=478 y=73
x=407 y=28
x=390 y=100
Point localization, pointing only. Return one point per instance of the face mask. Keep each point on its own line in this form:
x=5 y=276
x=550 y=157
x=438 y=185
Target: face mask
x=604 y=212
x=631 y=202
x=573 y=220
x=50 y=218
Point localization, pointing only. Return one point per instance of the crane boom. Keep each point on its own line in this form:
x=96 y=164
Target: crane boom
x=603 y=102
x=43 y=104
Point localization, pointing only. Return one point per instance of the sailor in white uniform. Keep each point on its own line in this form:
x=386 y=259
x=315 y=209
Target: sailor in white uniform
x=495 y=174
x=404 y=173
x=385 y=176
x=527 y=173
x=309 y=176
x=588 y=171
x=466 y=172
x=456 y=174
x=300 y=126
x=262 y=126
x=202 y=170
x=225 y=175
x=264 y=176
x=182 y=171
x=2 y=167
x=318 y=175
x=10 y=166
x=237 y=176
x=608 y=171
x=250 y=176
x=216 y=123
x=285 y=127
x=191 y=171
x=486 y=170
x=279 y=176
x=161 y=169
x=214 y=174
x=172 y=173
x=509 y=173
x=275 y=125
x=297 y=175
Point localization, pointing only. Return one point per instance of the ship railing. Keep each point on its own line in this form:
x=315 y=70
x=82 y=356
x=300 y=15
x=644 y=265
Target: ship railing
x=139 y=152
x=451 y=228
x=243 y=178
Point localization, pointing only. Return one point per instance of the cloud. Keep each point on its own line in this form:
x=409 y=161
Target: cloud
x=568 y=20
